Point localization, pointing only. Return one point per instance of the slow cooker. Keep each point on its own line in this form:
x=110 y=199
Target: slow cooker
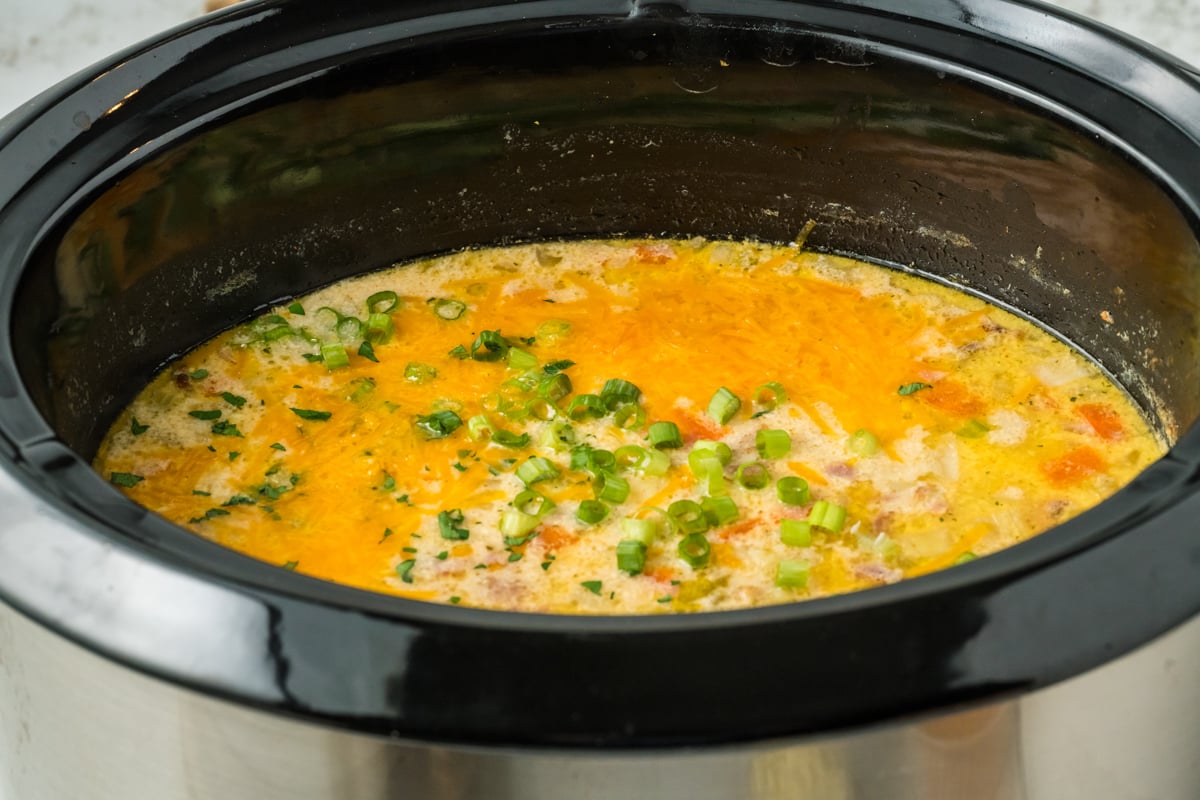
x=1003 y=146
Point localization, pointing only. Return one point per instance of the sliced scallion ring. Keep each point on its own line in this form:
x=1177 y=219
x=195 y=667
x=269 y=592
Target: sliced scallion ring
x=591 y=511
x=617 y=391
x=772 y=443
x=795 y=532
x=723 y=405
x=792 y=490
x=611 y=488
x=863 y=443
x=719 y=510
x=516 y=524
x=629 y=416
x=753 y=475
x=530 y=502
x=695 y=550
x=642 y=531
x=768 y=397
x=665 y=434
x=583 y=406
x=791 y=574
x=334 y=355
x=722 y=450
x=449 y=309
x=379 y=329
x=536 y=469
x=829 y=516
x=631 y=556
x=554 y=387
x=383 y=302
x=688 y=516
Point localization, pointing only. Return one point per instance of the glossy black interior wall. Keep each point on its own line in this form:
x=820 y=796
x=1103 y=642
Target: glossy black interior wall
x=646 y=127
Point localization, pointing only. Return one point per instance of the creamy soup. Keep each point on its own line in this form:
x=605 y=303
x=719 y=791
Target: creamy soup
x=614 y=427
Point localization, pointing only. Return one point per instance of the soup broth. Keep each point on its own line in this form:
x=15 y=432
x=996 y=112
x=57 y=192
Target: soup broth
x=614 y=427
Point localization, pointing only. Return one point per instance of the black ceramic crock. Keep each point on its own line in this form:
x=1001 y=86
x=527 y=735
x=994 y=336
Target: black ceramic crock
x=257 y=154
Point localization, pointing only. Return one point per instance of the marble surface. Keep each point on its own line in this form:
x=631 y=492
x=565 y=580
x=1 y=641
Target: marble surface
x=43 y=41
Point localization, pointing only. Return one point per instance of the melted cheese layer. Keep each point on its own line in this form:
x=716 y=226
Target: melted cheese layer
x=999 y=432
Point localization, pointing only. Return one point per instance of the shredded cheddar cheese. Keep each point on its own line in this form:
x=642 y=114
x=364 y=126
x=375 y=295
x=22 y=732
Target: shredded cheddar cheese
x=473 y=429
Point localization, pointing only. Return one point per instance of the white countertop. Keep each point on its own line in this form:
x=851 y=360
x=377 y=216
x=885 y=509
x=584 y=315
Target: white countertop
x=44 y=41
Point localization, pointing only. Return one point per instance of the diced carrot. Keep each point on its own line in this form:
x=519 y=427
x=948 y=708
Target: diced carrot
x=1073 y=467
x=555 y=537
x=661 y=574
x=655 y=253
x=953 y=398
x=744 y=526
x=698 y=426
x=1104 y=420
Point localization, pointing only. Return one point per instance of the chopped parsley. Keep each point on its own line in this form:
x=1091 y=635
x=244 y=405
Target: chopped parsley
x=456 y=599
x=448 y=522
x=205 y=414
x=296 y=309
x=309 y=414
x=367 y=351
x=546 y=564
x=291 y=565
x=212 y=513
x=126 y=479
x=409 y=549
x=313 y=357
x=439 y=424
x=912 y=388
x=237 y=401
x=665 y=599
x=592 y=586
x=198 y=375
x=233 y=454
x=514 y=556
x=239 y=500
x=226 y=428
x=273 y=492
x=442 y=556
x=404 y=570
x=389 y=483
x=137 y=428
x=201 y=494
x=386 y=533
x=278 y=446
x=459 y=467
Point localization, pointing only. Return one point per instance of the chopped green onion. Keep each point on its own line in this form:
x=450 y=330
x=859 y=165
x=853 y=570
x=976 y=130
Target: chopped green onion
x=526 y=382
x=688 y=516
x=334 y=355
x=382 y=302
x=629 y=416
x=795 y=532
x=753 y=475
x=642 y=531
x=553 y=329
x=586 y=405
x=205 y=415
x=886 y=547
x=379 y=329
x=126 y=479
x=558 y=436
x=631 y=556
x=627 y=456
x=554 y=367
x=225 y=428
x=519 y=359
x=536 y=469
x=419 y=373
x=515 y=524
x=449 y=309
x=973 y=430
x=665 y=434
x=591 y=511
x=460 y=352
x=695 y=550
x=448 y=524
x=592 y=586
x=769 y=397
x=612 y=488
x=617 y=391
x=489 y=346
x=912 y=388
x=723 y=405
x=531 y=502
x=792 y=490
x=509 y=439
x=863 y=443
x=362 y=388
x=723 y=451
x=706 y=467
x=310 y=415
x=829 y=516
x=719 y=510
x=772 y=443
x=554 y=387
x=965 y=558
x=367 y=351
x=439 y=424
x=589 y=459
x=404 y=570
x=296 y=309
x=791 y=574
x=541 y=409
